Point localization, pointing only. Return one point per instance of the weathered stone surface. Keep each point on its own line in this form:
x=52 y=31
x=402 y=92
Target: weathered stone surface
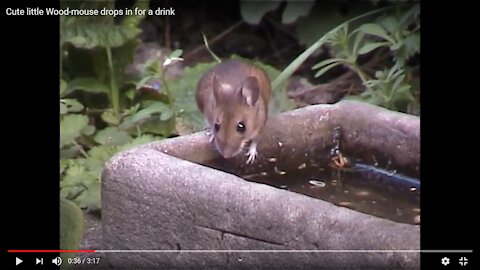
x=156 y=201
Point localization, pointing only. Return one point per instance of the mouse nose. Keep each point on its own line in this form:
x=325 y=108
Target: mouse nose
x=227 y=151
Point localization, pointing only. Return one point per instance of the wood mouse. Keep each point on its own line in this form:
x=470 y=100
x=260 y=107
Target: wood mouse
x=233 y=96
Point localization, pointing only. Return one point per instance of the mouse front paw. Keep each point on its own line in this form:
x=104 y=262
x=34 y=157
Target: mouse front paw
x=252 y=152
x=209 y=134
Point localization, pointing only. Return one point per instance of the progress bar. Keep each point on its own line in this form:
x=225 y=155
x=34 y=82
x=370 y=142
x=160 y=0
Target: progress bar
x=250 y=251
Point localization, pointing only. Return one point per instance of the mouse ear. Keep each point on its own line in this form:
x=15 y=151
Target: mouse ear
x=216 y=89
x=250 y=90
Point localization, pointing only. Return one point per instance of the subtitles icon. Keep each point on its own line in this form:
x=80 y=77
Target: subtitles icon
x=445 y=261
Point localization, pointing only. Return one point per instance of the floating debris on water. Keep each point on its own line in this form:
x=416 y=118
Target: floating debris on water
x=302 y=166
x=346 y=204
x=277 y=171
x=317 y=183
x=272 y=159
x=280 y=144
x=362 y=193
x=413 y=189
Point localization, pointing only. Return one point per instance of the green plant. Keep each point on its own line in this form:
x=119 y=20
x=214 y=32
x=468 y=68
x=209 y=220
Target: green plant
x=95 y=106
x=71 y=228
x=391 y=88
x=252 y=11
x=398 y=31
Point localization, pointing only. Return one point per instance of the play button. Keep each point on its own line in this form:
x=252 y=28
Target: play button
x=18 y=261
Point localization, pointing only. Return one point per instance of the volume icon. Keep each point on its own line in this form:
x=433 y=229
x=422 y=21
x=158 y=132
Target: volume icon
x=57 y=261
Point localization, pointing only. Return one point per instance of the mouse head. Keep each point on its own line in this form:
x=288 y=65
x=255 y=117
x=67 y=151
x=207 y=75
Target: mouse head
x=238 y=118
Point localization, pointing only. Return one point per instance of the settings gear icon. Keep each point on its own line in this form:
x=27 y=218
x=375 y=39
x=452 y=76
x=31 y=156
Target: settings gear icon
x=445 y=261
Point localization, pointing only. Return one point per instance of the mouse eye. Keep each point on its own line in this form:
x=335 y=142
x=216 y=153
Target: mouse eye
x=216 y=127
x=241 y=127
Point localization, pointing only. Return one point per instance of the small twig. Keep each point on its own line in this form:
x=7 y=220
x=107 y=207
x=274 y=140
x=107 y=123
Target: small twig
x=166 y=33
x=80 y=148
x=213 y=40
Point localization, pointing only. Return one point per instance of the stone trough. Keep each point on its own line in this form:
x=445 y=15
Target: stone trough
x=162 y=196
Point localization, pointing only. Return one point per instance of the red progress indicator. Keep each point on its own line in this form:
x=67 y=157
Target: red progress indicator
x=51 y=250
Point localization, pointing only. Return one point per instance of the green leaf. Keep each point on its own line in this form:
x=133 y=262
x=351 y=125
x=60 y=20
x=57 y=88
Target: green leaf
x=166 y=114
x=101 y=153
x=63 y=108
x=144 y=81
x=376 y=30
x=88 y=35
x=72 y=105
x=296 y=9
x=155 y=107
x=131 y=110
x=112 y=136
x=76 y=175
x=88 y=130
x=70 y=192
x=98 y=156
x=395 y=46
x=398 y=81
x=371 y=46
x=90 y=198
x=69 y=152
x=71 y=226
x=252 y=12
x=390 y=23
x=109 y=117
x=412 y=45
x=356 y=44
x=78 y=41
x=175 y=54
x=63 y=87
x=91 y=85
x=63 y=164
x=326 y=62
x=325 y=69
x=71 y=127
